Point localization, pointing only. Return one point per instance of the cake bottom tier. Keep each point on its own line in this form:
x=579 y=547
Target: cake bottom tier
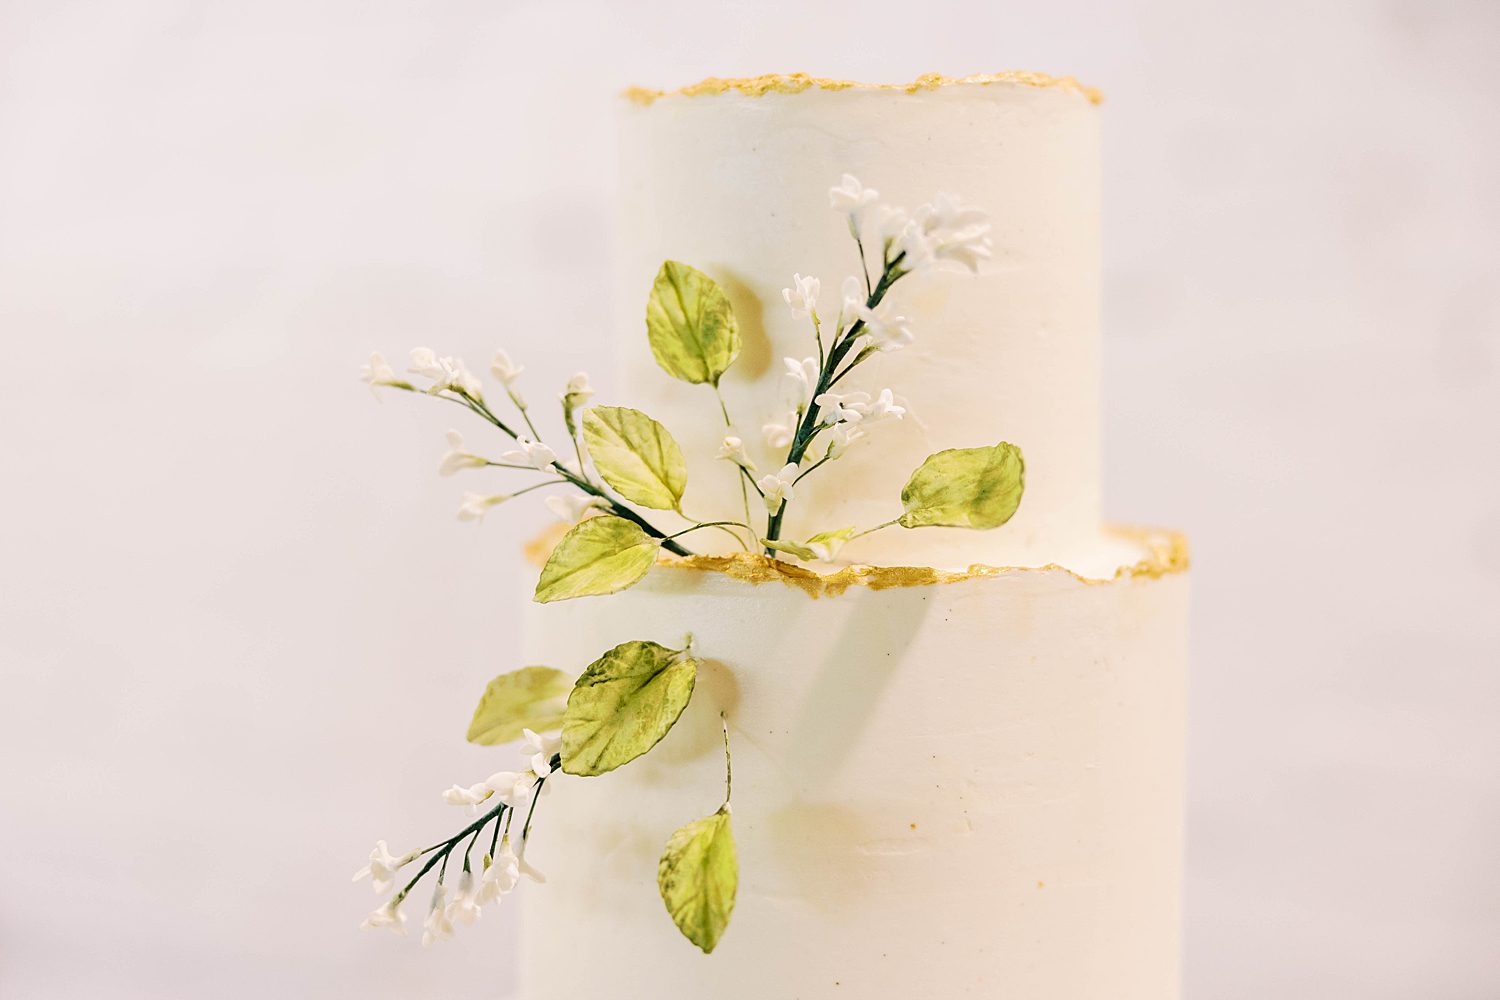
x=965 y=788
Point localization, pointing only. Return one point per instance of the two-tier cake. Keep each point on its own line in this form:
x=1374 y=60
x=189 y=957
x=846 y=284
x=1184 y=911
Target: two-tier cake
x=839 y=684
x=958 y=774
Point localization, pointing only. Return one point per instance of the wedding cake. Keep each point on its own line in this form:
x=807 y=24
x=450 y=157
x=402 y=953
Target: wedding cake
x=939 y=760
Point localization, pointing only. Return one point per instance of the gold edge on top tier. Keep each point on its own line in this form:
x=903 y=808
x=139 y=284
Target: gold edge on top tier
x=796 y=83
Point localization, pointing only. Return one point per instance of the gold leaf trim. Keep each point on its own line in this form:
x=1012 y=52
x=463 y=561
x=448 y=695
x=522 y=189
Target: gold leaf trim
x=1166 y=554
x=796 y=83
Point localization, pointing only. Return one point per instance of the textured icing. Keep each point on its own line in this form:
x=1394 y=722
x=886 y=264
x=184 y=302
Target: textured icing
x=965 y=790
x=1163 y=551
x=738 y=186
x=796 y=83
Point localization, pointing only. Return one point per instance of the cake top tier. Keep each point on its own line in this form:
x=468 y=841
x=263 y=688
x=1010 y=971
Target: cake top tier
x=738 y=186
x=796 y=83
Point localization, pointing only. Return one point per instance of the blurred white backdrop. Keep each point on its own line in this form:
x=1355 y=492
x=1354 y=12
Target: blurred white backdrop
x=241 y=632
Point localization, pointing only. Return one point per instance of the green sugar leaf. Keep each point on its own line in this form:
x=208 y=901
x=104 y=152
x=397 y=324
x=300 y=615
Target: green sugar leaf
x=965 y=488
x=792 y=548
x=637 y=456
x=624 y=703
x=691 y=325
x=529 y=698
x=698 y=876
x=599 y=555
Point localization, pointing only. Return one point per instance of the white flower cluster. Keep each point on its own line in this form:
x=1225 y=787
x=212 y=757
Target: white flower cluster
x=445 y=372
x=501 y=873
x=851 y=413
x=942 y=232
x=513 y=788
x=450 y=374
x=776 y=487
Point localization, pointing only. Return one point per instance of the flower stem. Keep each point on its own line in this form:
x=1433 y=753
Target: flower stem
x=744 y=493
x=708 y=524
x=805 y=472
x=444 y=848
x=728 y=761
x=808 y=427
x=871 y=531
x=478 y=407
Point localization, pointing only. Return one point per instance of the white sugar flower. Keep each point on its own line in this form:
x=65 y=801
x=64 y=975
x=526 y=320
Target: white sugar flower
x=884 y=408
x=777 y=486
x=386 y=916
x=947 y=232
x=457 y=458
x=844 y=407
x=841 y=437
x=382 y=867
x=532 y=453
x=798 y=382
x=514 y=788
x=887 y=331
x=465 y=907
x=578 y=390
x=803 y=295
x=570 y=508
x=424 y=361
x=853 y=294
x=852 y=297
x=473 y=506
x=527 y=868
x=779 y=435
x=505 y=370
x=445 y=372
x=469 y=797
x=852 y=198
x=732 y=449
x=891 y=223
x=437 y=926
x=575 y=395
x=858 y=408
x=541 y=749
x=377 y=372
x=501 y=876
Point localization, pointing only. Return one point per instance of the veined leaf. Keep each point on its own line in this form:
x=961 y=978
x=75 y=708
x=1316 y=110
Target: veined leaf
x=599 y=555
x=698 y=876
x=691 y=324
x=826 y=544
x=782 y=545
x=624 y=703
x=965 y=488
x=822 y=547
x=637 y=456
x=529 y=698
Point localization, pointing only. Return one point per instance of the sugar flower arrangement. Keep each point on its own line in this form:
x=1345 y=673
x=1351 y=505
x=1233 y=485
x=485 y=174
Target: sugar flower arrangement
x=616 y=470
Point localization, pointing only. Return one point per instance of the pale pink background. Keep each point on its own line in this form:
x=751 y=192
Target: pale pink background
x=240 y=631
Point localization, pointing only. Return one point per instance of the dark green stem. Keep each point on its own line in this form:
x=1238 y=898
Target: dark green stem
x=615 y=507
x=809 y=426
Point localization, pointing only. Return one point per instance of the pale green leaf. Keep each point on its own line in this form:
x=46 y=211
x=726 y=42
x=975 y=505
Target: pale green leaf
x=529 y=698
x=599 y=555
x=826 y=544
x=637 y=456
x=624 y=703
x=794 y=548
x=698 y=876
x=822 y=547
x=691 y=324
x=965 y=488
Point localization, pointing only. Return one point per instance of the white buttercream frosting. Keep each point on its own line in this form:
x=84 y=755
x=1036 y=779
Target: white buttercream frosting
x=736 y=184
x=954 y=776
x=968 y=788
